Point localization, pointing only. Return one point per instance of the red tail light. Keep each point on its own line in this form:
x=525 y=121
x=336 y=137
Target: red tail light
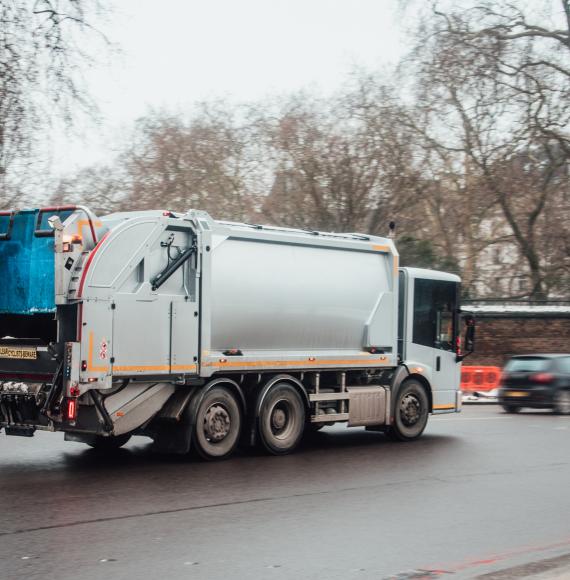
x=71 y=410
x=542 y=378
x=458 y=345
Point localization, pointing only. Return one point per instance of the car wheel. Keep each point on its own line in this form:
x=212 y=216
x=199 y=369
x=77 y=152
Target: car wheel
x=511 y=409
x=562 y=403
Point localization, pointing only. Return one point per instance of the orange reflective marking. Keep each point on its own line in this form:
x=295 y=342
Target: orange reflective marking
x=154 y=367
x=83 y=223
x=381 y=248
x=285 y=363
x=442 y=407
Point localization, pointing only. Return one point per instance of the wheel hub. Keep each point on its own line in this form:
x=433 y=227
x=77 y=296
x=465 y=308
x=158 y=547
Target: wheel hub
x=216 y=423
x=278 y=419
x=410 y=410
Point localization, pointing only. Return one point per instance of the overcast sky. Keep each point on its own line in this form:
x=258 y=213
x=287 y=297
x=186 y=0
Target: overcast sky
x=177 y=52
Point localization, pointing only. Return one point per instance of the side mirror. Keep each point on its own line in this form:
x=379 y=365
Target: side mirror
x=469 y=339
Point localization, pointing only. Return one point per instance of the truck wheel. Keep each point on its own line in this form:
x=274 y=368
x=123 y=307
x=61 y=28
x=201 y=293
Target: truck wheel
x=217 y=425
x=109 y=443
x=411 y=411
x=281 y=419
x=511 y=408
x=562 y=403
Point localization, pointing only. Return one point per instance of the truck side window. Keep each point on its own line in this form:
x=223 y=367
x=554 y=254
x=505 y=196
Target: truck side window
x=435 y=307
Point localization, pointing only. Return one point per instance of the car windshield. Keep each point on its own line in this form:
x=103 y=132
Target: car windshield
x=527 y=364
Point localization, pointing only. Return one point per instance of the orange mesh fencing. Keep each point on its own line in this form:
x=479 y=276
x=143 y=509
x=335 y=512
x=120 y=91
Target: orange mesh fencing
x=479 y=378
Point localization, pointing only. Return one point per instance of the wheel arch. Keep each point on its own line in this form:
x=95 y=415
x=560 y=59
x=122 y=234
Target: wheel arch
x=278 y=379
x=195 y=401
x=425 y=384
x=400 y=376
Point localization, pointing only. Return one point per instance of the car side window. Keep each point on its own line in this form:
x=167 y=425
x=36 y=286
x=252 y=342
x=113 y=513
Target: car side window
x=564 y=364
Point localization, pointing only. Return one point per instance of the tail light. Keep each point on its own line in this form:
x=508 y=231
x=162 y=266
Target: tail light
x=71 y=409
x=542 y=378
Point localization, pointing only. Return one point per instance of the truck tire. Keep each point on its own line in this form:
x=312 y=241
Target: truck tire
x=217 y=424
x=411 y=410
x=109 y=443
x=281 y=419
x=511 y=408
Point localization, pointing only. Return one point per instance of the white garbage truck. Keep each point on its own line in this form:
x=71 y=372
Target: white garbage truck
x=204 y=334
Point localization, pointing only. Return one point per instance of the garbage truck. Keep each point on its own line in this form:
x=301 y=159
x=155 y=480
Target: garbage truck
x=204 y=334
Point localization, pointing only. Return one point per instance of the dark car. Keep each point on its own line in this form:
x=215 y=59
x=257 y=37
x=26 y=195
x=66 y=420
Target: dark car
x=541 y=381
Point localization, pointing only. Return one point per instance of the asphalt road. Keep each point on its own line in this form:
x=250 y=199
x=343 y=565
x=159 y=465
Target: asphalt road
x=482 y=494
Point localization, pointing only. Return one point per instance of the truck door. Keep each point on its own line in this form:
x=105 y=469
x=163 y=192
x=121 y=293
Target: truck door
x=435 y=328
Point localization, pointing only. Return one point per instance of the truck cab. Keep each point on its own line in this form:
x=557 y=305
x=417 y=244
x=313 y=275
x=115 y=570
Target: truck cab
x=429 y=331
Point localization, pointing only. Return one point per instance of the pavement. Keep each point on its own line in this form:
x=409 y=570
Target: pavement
x=481 y=495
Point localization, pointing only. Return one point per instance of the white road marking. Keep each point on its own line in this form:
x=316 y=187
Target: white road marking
x=476 y=418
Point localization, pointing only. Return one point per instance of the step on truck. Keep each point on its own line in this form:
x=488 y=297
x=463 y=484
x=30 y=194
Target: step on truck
x=202 y=334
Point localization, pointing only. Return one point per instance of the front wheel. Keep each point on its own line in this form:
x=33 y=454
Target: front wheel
x=217 y=424
x=411 y=412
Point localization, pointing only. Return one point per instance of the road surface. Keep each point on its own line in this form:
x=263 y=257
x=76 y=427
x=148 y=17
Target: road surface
x=482 y=494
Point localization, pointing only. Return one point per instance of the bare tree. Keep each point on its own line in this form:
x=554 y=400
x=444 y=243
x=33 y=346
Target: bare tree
x=40 y=60
x=203 y=163
x=102 y=188
x=494 y=92
x=340 y=164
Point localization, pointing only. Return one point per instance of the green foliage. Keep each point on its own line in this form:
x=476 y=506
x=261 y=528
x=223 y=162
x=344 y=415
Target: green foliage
x=417 y=253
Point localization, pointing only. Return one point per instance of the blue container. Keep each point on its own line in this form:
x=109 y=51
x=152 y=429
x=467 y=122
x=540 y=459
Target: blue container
x=27 y=262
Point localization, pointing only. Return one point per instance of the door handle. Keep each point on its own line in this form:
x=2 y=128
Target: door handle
x=437 y=363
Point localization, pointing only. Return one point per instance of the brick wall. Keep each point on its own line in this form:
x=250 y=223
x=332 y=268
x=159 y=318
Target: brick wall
x=500 y=336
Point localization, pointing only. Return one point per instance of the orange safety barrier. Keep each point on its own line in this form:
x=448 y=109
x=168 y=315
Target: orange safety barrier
x=478 y=378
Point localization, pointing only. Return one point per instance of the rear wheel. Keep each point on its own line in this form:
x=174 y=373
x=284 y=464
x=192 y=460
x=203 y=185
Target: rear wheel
x=217 y=425
x=109 y=443
x=511 y=408
x=281 y=419
x=410 y=412
x=562 y=403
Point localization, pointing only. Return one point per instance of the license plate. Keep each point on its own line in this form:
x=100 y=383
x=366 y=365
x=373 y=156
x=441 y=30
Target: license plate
x=516 y=394
x=20 y=352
